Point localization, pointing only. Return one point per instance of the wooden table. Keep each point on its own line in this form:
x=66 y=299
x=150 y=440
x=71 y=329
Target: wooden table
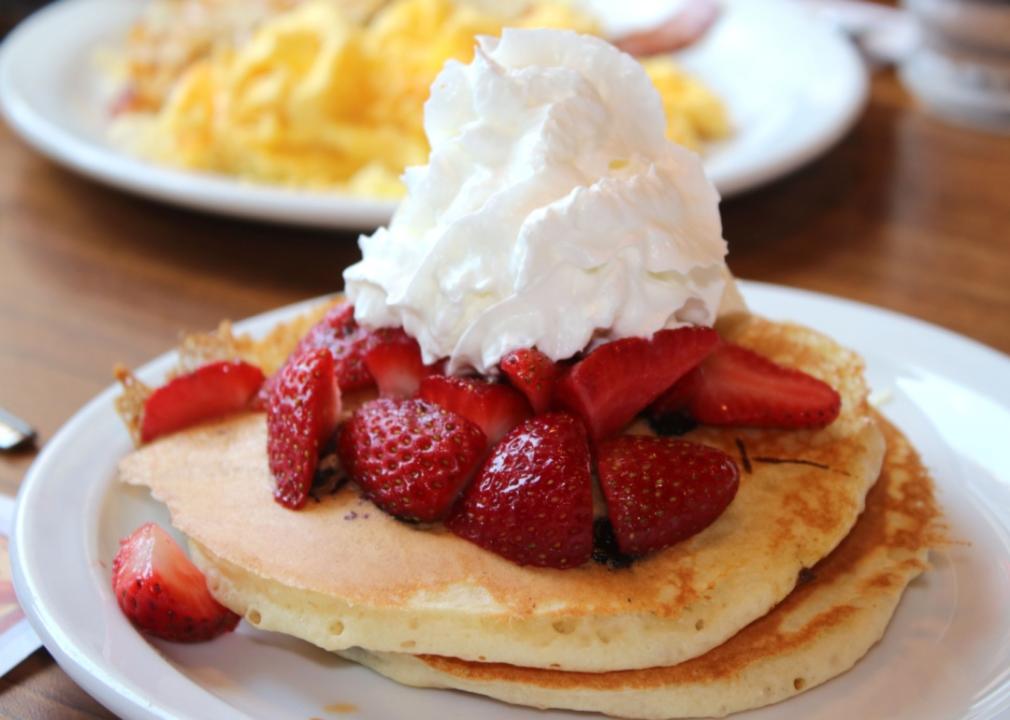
x=906 y=213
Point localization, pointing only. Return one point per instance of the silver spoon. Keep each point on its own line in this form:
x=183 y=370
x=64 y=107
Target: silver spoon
x=14 y=432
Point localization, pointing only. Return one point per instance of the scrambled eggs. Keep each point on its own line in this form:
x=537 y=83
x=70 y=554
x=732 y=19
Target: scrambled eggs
x=315 y=97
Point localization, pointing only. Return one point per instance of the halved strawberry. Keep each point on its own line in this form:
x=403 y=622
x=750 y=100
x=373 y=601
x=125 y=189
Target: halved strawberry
x=348 y=342
x=532 y=501
x=210 y=391
x=302 y=413
x=411 y=457
x=660 y=491
x=162 y=592
x=677 y=400
x=736 y=386
x=534 y=374
x=394 y=360
x=495 y=408
x=618 y=380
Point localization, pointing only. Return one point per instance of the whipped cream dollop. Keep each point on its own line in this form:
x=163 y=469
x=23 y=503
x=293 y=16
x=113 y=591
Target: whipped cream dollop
x=553 y=212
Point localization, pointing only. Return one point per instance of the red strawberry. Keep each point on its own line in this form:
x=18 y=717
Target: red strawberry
x=496 y=409
x=736 y=386
x=532 y=501
x=533 y=374
x=618 y=380
x=394 y=360
x=660 y=491
x=411 y=457
x=348 y=342
x=303 y=409
x=210 y=391
x=677 y=399
x=162 y=592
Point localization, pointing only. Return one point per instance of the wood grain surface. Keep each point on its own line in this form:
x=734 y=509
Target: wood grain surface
x=906 y=213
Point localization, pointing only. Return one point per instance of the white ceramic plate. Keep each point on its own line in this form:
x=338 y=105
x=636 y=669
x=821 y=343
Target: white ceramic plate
x=945 y=656
x=793 y=86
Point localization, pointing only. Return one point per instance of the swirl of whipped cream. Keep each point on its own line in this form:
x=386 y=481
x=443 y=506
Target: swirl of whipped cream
x=553 y=212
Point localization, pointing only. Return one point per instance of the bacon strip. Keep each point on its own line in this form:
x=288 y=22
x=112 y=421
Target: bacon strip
x=684 y=28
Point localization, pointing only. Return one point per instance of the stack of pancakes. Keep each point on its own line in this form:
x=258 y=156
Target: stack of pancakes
x=787 y=589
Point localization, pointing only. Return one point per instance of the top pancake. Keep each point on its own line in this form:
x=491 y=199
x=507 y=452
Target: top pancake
x=341 y=573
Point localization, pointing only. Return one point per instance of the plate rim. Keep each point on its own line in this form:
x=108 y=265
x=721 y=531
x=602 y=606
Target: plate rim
x=221 y=195
x=97 y=677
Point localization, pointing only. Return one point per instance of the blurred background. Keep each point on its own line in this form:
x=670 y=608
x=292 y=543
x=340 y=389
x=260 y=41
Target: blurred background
x=863 y=155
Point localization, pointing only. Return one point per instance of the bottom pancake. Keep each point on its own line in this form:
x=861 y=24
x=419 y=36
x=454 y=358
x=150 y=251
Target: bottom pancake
x=838 y=611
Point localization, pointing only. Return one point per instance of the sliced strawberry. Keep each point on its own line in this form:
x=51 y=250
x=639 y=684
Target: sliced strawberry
x=348 y=342
x=618 y=380
x=411 y=457
x=210 y=391
x=394 y=360
x=532 y=501
x=660 y=491
x=736 y=386
x=534 y=374
x=162 y=592
x=496 y=409
x=676 y=400
x=302 y=412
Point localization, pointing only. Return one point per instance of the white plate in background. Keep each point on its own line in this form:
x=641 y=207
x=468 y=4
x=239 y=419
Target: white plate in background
x=792 y=83
x=945 y=656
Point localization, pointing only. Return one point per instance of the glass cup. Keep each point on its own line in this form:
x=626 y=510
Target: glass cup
x=961 y=68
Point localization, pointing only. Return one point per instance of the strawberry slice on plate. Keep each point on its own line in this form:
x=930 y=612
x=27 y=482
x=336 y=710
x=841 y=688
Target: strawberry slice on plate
x=660 y=491
x=534 y=375
x=532 y=501
x=736 y=386
x=618 y=380
x=347 y=341
x=494 y=408
x=394 y=360
x=210 y=391
x=162 y=592
x=411 y=457
x=302 y=412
